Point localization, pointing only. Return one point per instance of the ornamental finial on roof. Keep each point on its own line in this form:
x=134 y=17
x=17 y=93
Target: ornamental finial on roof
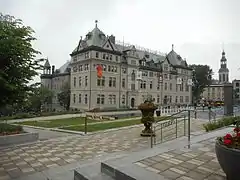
x=96 y=21
x=172 y=47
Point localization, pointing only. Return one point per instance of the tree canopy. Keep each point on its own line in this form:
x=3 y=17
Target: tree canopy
x=202 y=77
x=17 y=60
x=64 y=96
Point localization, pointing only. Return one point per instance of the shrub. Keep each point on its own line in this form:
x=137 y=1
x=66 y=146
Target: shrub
x=8 y=128
x=226 y=121
x=29 y=115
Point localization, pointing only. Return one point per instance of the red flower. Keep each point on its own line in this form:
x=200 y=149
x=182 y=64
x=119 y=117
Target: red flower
x=227 y=142
x=228 y=136
x=236 y=129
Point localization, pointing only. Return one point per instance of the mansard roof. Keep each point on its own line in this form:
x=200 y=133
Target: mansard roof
x=176 y=60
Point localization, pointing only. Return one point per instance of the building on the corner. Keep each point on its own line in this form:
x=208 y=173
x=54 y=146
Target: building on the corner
x=130 y=74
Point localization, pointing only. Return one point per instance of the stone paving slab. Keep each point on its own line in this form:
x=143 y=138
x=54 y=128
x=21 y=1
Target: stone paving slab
x=197 y=163
x=41 y=156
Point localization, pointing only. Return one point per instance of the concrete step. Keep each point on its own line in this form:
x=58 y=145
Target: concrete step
x=91 y=172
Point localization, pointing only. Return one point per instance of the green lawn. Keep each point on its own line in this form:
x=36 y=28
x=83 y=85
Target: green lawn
x=78 y=123
x=107 y=125
x=103 y=126
x=57 y=122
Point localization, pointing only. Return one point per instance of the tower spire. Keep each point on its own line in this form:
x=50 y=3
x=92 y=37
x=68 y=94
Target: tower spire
x=96 y=21
x=172 y=47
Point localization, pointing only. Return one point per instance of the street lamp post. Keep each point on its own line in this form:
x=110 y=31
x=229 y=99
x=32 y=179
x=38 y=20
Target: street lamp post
x=193 y=95
x=209 y=79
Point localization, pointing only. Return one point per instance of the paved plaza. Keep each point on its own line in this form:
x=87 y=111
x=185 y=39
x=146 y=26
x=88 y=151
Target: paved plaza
x=197 y=163
x=37 y=157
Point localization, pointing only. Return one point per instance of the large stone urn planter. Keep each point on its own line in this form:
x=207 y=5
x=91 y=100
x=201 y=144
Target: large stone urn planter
x=229 y=160
x=147 y=108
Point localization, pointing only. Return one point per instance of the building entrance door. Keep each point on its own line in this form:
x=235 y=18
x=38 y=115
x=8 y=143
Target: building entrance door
x=132 y=103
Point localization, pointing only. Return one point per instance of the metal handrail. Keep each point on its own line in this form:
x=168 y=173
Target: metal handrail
x=169 y=117
x=157 y=124
x=175 y=118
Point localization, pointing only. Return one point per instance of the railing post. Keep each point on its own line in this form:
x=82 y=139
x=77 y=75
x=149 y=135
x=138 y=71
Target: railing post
x=195 y=113
x=161 y=134
x=209 y=115
x=85 y=125
x=189 y=127
x=155 y=135
x=184 y=124
x=176 y=127
x=152 y=135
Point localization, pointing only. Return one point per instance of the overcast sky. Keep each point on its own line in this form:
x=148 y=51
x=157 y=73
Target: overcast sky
x=197 y=28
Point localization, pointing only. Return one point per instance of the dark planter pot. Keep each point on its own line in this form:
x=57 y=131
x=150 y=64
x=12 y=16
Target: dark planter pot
x=158 y=113
x=228 y=159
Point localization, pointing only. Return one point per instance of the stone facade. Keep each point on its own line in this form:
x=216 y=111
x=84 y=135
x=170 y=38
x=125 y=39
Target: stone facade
x=214 y=92
x=130 y=74
x=55 y=80
x=236 y=92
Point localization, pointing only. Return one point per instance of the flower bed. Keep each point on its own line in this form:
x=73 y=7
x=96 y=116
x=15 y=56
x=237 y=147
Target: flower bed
x=228 y=153
x=220 y=123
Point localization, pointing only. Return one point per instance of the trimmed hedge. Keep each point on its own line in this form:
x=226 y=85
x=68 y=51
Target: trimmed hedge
x=111 y=110
x=226 y=121
x=28 y=115
x=9 y=128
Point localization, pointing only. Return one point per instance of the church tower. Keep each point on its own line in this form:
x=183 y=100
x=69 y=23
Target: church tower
x=223 y=71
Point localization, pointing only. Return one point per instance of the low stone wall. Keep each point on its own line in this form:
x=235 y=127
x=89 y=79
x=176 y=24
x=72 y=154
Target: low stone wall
x=18 y=139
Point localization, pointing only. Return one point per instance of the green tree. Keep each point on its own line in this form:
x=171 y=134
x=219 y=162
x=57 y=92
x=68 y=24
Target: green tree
x=64 y=96
x=38 y=97
x=17 y=60
x=202 y=77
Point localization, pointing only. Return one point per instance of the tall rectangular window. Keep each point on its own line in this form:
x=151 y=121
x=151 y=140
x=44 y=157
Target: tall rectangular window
x=114 y=82
x=86 y=99
x=151 y=85
x=98 y=99
x=123 y=99
x=123 y=83
x=86 y=81
x=165 y=86
x=80 y=81
x=74 y=98
x=79 y=98
x=74 y=81
x=110 y=82
x=97 y=54
x=102 y=98
x=86 y=67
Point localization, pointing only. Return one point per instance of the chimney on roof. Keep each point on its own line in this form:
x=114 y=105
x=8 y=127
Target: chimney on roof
x=53 y=69
x=112 y=39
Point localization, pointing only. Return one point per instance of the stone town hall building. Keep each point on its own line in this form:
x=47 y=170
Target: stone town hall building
x=130 y=74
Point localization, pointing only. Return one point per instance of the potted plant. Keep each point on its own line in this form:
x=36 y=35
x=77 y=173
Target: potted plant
x=228 y=153
x=147 y=108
